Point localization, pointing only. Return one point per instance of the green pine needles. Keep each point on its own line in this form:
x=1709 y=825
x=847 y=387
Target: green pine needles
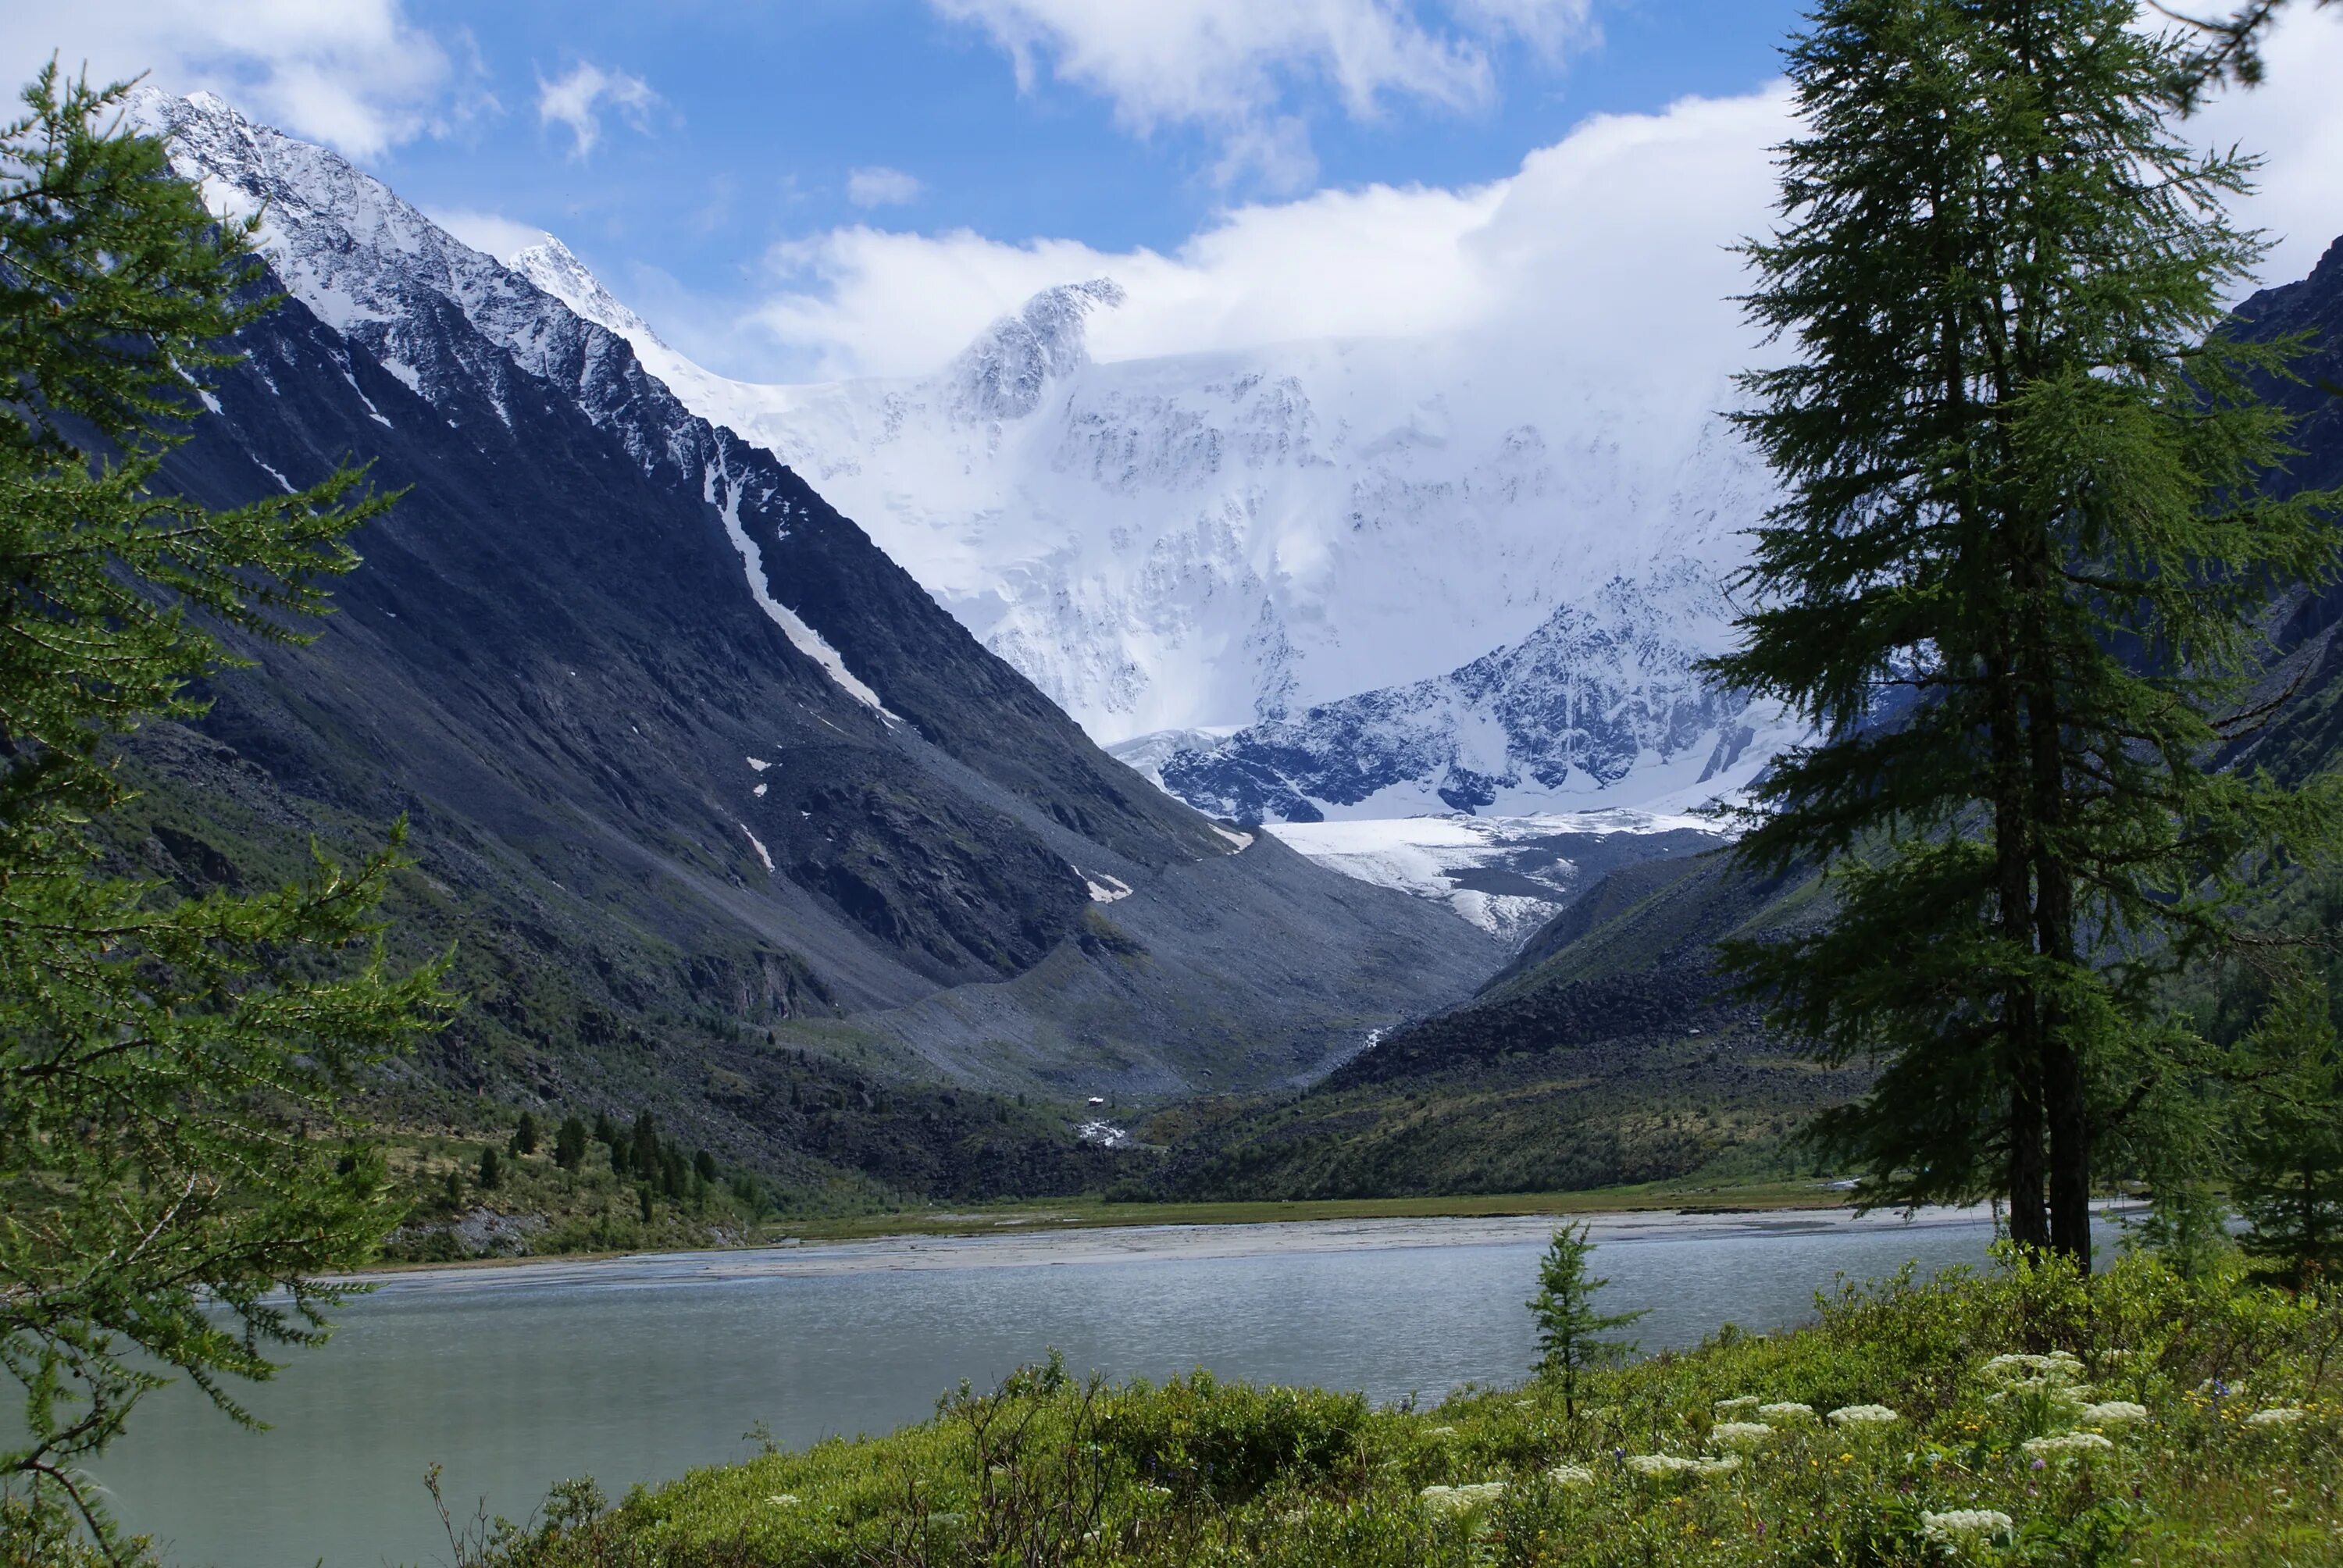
x=1570 y=1331
x=2015 y=585
x=176 y=1166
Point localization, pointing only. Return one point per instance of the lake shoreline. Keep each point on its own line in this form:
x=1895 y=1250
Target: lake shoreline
x=1144 y=1243
x=1076 y=1216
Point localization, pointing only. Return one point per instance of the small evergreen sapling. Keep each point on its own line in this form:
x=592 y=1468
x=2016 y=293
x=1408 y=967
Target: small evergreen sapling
x=492 y=1170
x=524 y=1138
x=1569 y=1328
x=570 y=1144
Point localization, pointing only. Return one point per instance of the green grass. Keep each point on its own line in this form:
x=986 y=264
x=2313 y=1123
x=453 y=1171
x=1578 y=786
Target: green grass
x=1050 y=1470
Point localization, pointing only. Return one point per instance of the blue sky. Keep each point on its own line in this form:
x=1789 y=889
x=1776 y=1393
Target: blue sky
x=799 y=189
x=764 y=112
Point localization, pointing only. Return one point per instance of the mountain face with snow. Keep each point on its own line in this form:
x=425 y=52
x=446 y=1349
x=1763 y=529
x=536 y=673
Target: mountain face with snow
x=1377 y=577
x=1601 y=699
x=697 y=773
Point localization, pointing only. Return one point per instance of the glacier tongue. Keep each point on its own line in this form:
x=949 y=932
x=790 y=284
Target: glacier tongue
x=1507 y=875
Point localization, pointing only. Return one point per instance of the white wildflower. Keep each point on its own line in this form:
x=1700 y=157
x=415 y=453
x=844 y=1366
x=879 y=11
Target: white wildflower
x=2068 y=1443
x=2057 y=1366
x=2277 y=1416
x=1440 y=1432
x=1863 y=1416
x=1957 y=1524
x=1667 y=1467
x=1571 y=1475
x=783 y=1500
x=1788 y=1409
x=2114 y=1413
x=1462 y=1498
x=1735 y=1406
x=1740 y=1434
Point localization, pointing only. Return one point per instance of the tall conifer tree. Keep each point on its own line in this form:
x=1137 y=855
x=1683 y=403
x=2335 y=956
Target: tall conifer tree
x=2013 y=583
x=169 y=1067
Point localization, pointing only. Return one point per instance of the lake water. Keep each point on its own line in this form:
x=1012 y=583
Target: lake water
x=640 y=1368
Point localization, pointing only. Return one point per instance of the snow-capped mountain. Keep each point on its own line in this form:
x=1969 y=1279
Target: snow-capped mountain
x=1405 y=582
x=682 y=741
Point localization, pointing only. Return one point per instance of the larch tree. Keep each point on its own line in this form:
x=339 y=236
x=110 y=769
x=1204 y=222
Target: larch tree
x=2228 y=46
x=2013 y=585
x=177 y=1163
x=2291 y=1181
x=1571 y=1332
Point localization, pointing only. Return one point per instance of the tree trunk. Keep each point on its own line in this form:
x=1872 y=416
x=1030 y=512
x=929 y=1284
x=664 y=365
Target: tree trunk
x=2070 y=1152
x=2029 y=1221
x=2029 y=1225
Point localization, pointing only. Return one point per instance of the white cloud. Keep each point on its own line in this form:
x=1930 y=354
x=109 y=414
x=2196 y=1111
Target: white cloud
x=576 y=100
x=1611 y=242
x=2296 y=120
x=490 y=233
x=1232 y=66
x=356 y=74
x=1609 y=246
x=881 y=187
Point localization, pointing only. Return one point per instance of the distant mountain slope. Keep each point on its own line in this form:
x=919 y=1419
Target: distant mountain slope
x=714 y=796
x=2307 y=735
x=1604 y=1054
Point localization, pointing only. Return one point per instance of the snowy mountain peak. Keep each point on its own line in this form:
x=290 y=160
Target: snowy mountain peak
x=554 y=267
x=331 y=230
x=1003 y=373
x=376 y=270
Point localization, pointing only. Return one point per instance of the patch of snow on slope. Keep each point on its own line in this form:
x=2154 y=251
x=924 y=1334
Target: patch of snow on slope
x=1104 y=889
x=725 y=496
x=759 y=845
